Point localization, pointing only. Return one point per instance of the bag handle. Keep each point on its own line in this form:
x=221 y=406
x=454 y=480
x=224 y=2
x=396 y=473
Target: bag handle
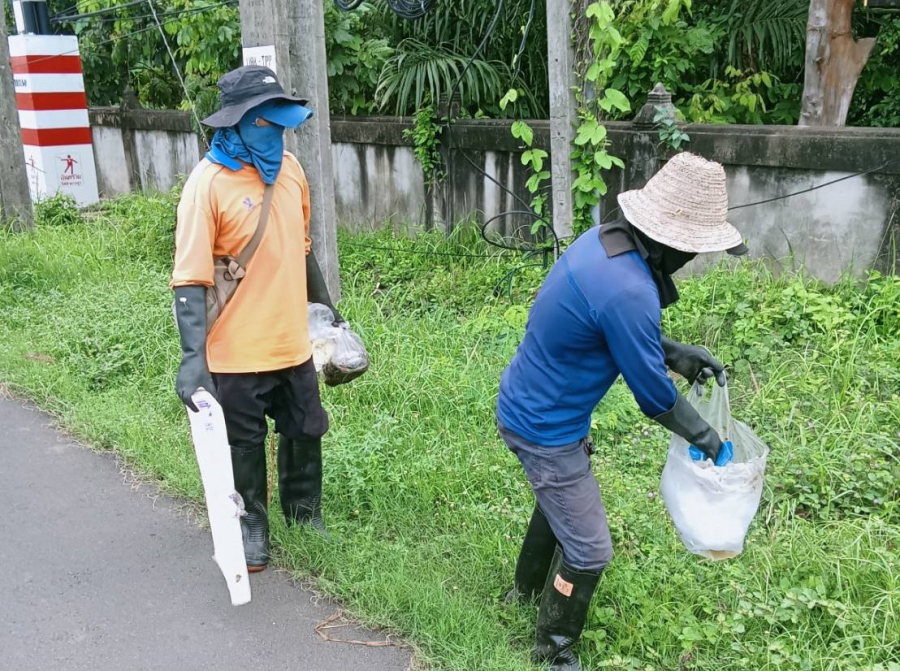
x=713 y=405
x=247 y=252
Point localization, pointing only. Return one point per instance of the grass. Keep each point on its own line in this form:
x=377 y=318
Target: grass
x=429 y=505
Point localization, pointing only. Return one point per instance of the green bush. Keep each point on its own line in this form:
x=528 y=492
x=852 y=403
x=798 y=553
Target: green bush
x=57 y=210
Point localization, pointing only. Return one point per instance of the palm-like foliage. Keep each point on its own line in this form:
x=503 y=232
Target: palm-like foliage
x=418 y=73
x=432 y=52
x=767 y=33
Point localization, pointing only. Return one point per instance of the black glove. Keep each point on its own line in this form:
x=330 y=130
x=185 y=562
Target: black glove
x=193 y=373
x=692 y=362
x=317 y=290
x=684 y=420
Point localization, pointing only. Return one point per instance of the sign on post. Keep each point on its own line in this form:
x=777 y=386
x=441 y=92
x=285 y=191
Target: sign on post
x=264 y=56
x=53 y=115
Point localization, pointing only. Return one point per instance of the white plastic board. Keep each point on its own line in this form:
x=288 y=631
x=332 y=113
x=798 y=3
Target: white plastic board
x=223 y=503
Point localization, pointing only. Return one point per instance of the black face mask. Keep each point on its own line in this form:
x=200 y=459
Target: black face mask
x=674 y=260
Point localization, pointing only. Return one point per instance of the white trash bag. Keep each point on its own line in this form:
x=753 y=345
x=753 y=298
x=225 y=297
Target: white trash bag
x=712 y=506
x=338 y=353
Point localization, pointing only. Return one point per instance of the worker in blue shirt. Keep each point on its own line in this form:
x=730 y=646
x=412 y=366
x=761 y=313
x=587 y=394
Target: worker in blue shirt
x=597 y=316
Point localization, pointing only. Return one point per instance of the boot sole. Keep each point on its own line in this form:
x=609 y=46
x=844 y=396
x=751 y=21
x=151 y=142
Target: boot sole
x=256 y=569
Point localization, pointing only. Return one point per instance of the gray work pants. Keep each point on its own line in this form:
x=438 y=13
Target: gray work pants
x=568 y=494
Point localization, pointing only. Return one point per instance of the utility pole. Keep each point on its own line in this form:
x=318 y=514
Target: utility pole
x=290 y=34
x=15 y=197
x=563 y=115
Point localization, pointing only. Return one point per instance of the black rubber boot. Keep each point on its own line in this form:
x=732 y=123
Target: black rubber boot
x=534 y=559
x=249 y=467
x=300 y=481
x=561 y=617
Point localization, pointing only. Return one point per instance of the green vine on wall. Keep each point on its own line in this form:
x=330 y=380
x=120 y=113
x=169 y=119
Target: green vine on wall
x=598 y=44
x=533 y=158
x=426 y=138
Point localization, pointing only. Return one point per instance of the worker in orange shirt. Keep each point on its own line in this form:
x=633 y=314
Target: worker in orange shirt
x=256 y=358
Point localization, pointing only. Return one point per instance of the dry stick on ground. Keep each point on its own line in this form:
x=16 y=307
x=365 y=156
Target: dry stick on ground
x=331 y=622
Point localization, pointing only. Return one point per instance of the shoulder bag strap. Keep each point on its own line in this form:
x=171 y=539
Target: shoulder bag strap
x=247 y=253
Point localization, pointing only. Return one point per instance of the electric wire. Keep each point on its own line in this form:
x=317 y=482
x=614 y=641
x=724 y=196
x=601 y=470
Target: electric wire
x=405 y=9
x=410 y=9
x=125 y=36
x=98 y=12
x=187 y=94
x=818 y=186
x=172 y=12
x=346 y=6
x=527 y=212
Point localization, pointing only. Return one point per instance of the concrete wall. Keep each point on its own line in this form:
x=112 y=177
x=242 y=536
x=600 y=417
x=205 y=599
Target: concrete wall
x=377 y=183
x=851 y=225
x=142 y=150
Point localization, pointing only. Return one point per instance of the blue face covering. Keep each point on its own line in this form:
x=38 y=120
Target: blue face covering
x=260 y=146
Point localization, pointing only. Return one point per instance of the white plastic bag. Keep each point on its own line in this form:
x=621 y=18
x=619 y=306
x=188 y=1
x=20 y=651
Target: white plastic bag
x=338 y=352
x=322 y=333
x=712 y=506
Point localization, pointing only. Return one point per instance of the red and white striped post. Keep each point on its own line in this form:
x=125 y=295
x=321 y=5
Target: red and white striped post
x=56 y=132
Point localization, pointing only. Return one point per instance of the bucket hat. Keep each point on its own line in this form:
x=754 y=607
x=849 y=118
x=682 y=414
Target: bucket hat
x=684 y=206
x=243 y=89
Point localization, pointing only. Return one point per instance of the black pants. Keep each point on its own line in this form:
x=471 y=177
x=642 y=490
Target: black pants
x=289 y=396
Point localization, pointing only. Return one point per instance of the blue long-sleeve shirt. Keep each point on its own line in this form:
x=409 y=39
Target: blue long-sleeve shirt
x=594 y=318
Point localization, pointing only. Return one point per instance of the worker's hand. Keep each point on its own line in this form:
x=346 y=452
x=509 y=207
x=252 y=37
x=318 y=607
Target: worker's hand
x=193 y=375
x=684 y=420
x=709 y=443
x=692 y=362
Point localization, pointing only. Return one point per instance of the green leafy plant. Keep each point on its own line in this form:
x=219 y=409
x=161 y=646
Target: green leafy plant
x=766 y=34
x=418 y=72
x=670 y=133
x=354 y=60
x=740 y=98
x=59 y=209
x=533 y=158
x=596 y=99
x=426 y=137
x=437 y=47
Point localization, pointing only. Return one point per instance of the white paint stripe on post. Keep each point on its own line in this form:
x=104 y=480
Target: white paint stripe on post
x=28 y=83
x=54 y=119
x=43 y=45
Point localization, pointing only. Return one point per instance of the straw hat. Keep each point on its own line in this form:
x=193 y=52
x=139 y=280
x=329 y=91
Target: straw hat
x=684 y=206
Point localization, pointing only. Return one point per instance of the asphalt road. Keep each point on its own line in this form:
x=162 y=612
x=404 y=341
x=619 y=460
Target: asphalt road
x=98 y=573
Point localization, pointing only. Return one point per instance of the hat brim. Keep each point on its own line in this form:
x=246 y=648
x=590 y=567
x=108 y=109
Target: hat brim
x=231 y=115
x=683 y=236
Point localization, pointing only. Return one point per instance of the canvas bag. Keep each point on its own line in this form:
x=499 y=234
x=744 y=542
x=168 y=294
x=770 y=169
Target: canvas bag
x=228 y=271
x=711 y=506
